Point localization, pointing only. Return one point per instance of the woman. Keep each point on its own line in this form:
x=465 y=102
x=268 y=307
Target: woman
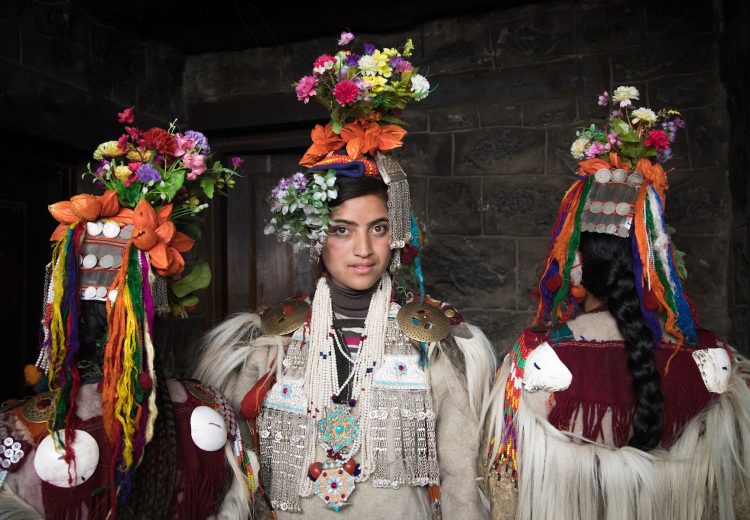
x=112 y=436
x=356 y=394
x=615 y=405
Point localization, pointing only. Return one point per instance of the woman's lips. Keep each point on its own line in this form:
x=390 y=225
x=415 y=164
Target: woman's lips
x=362 y=268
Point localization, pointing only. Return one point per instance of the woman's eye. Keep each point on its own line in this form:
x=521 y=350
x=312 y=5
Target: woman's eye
x=380 y=229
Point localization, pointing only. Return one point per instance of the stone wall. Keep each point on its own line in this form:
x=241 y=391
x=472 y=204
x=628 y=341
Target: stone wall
x=488 y=151
x=65 y=75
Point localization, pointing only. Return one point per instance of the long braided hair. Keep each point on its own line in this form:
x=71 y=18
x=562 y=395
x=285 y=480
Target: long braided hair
x=608 y=275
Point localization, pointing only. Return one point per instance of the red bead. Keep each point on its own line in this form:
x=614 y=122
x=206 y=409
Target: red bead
x=350 y=466
x=314 y=471
x=553 y=283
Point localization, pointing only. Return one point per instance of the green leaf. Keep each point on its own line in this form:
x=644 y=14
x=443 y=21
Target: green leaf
x=173 y=183
x=620 y=126
x=208 y=184
x=131 y=195
x=189 y=301
x=198 y=278
x=336 y=126
x=629 y=137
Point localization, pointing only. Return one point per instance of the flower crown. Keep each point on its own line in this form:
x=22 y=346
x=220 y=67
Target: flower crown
x=632 y=133
x=365 y=93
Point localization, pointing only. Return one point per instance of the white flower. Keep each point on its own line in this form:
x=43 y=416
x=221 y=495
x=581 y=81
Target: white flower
x=643 y=114
x=367 y=65
x=625 y=95
x=420 y=86
x=579 y=147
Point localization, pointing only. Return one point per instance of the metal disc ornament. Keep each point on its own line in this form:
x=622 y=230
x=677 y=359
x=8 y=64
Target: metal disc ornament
x=39 y=408
x=285 y=318
x=422 y=322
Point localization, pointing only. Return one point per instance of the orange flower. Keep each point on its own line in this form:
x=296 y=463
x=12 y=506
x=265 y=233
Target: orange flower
x=324 y=141
x=155 y=233
x=590 y=166
x=86 y=208
x=367 y=137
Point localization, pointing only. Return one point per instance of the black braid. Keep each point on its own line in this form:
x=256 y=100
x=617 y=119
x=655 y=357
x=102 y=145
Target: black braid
x=155 y=481
x=608 y=275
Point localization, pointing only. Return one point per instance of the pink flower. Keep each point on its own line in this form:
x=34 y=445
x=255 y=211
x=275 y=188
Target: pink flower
x=122 y=142
x=237 y=162
x=196 y=163
x=305 y=88
x=346 y=38
x=613 y=139
x=595 y=149
x=604 y=99
x=404 y=66
x=184 y=144
x=323 y=63
x=346 y=92
x=126 y=116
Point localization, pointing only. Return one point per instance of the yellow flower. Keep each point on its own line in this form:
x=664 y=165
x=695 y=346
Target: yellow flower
x=122 y=172
x=140 y=155
x=376 y=83
x=110 y=149
x=408 y=47
x=382 y=63
x=390 y=52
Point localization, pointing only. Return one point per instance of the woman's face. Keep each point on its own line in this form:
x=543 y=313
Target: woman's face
x=357 y=249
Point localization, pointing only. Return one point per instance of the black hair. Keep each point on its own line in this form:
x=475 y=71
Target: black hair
x=353 y=187
x=607 y=263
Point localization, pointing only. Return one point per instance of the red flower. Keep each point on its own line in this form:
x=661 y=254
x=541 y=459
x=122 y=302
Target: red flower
x=323 y=63
x=658 y=139
x=122 y=142
x=160 y=140
x=133 y=132
x=126 y=116
x=346 y=92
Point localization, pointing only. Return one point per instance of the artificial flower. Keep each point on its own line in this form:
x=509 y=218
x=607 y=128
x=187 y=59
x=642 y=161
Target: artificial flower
x=324 y=140
x=604 y=99
x=401 y=65
x=376 y=83
x=420 y=86
x=183 y=144
x=596 y=148
x=126 y=116
x=408 y=48
x=155 y=233
x=346 y=92
x=658 y=139
x=382 y=63
x=579 y=147
x=625 y=95
x=305 y=88
x=160 y=140
x=122 y=172
x=122 y=143
x=323 y=63
x=369 y=48
x=368 y=137
x=196 y=163
x=645 y=115
x=108 y=149
x=237 y=162
x=86 y=208
x=140 y=154
x=346 y=38
x=352 y=59
x=367 y=65
x=147 y=173
x=200 y=142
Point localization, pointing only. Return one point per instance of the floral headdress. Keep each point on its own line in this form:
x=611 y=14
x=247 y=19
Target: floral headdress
x=365 y=92
x=119 y=248
x=621 y=191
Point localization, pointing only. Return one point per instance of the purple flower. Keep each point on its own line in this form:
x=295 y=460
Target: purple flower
x=369 y=49
x=352 y=59
x=280 y=191
x=595 y=149
x=613 y=139
x=104 y=168
x=663 y=155
x=201 y=143
x=604 y=99
x=299 y=181
x=346 y=38
x=159 y=160
x=147 y=173
x=616 y=113
x=679 y=122
x=237 y=162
